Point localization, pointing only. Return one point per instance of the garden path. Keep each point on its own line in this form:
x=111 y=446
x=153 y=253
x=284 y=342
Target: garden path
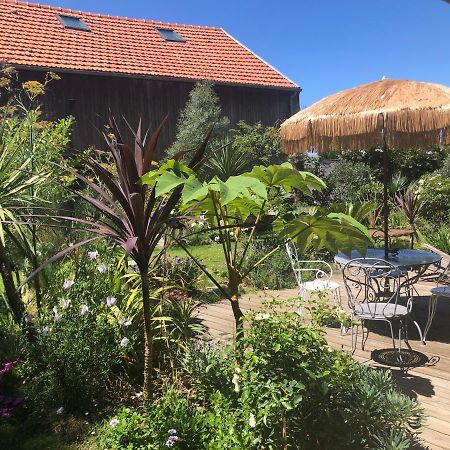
x=428 y=382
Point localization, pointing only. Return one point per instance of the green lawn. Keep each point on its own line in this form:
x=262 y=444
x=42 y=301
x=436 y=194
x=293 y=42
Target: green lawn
x=211 y=255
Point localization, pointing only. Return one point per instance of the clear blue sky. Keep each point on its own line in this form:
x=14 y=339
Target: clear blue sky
x=322 y=45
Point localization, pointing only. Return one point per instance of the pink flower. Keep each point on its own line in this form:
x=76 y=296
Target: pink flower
x=124 y=342
x=114 y=422
x=102 y=268
x=64 y=303
x=93 y=255
x=111 y=301
x=68 y=283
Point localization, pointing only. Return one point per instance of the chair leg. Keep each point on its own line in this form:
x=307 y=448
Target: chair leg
x=432 y=305
x=354 y=338
x=365 y=334
x=400 y=327
x=392 y=333
x=338 y=303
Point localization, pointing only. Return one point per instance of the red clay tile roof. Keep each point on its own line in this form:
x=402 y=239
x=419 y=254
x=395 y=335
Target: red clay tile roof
x=31 y=35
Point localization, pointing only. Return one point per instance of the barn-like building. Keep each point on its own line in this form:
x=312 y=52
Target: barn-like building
x=136 y=68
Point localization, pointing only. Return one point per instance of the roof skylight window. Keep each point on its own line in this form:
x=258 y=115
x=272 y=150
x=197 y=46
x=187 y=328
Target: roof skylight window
x=170 y=35
x=74 y=23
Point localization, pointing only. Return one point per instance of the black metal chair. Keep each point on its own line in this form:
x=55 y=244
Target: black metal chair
x=374 y=289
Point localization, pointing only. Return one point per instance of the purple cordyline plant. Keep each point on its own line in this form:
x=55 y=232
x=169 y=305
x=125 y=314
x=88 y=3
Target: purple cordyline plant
x=131 y=214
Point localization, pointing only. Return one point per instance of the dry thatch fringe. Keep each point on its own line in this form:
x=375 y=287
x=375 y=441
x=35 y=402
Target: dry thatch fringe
x=413 y=114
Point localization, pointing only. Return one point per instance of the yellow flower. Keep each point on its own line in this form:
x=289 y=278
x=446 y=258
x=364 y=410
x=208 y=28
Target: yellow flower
x=33 y=88
x=42 y=124
x=53 y=76
x=4 y=82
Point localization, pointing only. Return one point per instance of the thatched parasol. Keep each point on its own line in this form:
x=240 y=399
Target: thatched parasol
x=386 y=114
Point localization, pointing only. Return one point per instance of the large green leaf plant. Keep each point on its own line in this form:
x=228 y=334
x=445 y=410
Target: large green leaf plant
x=235 y=208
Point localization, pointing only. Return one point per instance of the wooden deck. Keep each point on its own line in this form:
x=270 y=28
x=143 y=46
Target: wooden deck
x=428 y=382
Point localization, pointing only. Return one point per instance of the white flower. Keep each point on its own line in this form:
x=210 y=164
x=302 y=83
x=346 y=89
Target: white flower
x=57 y=314
x=231 y=233
x=124 y=321
x=235 y=381
x=102 y=268
x=64 y=303
x=84 y=309
x=252 y=421
x=262 y=316
x=68 y=283
x=60 y=410
x=124 y=342
x=217 y=238
x=93 y=255
x=29 y=318
x=45 y=330
x=111 y=301
x=114 y=422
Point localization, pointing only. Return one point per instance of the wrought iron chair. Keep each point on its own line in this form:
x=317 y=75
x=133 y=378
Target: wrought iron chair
x=374 y=287
x=441 y=290
x=319 y=279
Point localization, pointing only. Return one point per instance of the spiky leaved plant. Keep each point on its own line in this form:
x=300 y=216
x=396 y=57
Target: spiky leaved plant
x=131 y=215
x=410 y=204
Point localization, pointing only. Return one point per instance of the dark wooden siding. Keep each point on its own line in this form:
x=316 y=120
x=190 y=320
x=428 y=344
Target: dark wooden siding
x=89 y=98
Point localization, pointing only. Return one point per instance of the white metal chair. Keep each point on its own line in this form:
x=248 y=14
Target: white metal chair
x=374 y=287
x=312 y=276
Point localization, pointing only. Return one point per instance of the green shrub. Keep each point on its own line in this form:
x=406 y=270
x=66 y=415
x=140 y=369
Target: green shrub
x=352 y=181
x=411 y=163
x=174 y=421
x=275 y=272
x=434 y=190
x=73 y=360
x=327 y=400
x=260 y=144
x=282 y=386
x=81 y=335
x=440 y=239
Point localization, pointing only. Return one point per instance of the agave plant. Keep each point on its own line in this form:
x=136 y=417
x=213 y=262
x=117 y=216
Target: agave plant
x=131 y=214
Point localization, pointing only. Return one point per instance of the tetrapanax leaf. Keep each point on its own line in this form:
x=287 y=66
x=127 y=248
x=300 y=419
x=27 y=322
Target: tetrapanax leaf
x=287 y=177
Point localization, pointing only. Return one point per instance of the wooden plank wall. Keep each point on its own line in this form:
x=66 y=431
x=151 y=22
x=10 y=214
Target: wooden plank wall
x=89 y=98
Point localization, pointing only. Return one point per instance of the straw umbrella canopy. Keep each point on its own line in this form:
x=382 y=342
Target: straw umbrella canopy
x=386 y=114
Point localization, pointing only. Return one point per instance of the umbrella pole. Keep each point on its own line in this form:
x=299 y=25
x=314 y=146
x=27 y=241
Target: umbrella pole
x=385 y=201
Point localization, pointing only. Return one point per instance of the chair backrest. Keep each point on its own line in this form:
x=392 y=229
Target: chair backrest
x=307 y=270
x=374 y=283
x=444 y=278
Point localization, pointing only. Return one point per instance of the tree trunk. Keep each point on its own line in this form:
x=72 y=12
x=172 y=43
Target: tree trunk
x=234 y=281
x=13 y=297
x=148 y=338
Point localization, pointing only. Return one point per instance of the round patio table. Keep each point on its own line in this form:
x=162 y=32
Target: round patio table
x=409 y=259
x=415 y=260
